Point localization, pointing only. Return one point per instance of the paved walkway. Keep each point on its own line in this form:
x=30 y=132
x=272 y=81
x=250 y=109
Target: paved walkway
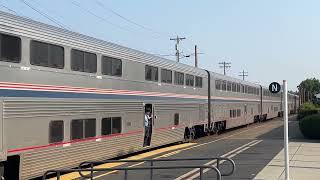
x=304 y=160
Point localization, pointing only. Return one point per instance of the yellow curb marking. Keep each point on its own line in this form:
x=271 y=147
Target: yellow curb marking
x=76 y=175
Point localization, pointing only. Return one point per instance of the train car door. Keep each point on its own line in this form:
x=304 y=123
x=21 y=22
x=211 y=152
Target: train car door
x=1 y=132
x=3 y=153
x=148 y=122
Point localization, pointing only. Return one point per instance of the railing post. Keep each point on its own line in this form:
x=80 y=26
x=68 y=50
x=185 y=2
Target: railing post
x=218 y=163
x=201 y=173
x=151 y=170
x=91 y=172
x=125 y=174
x=58 y=175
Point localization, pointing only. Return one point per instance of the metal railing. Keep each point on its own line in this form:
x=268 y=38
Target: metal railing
x=126 y=169
x=89 y=167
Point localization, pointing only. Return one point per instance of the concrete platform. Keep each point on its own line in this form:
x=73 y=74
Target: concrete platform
x=304 y=163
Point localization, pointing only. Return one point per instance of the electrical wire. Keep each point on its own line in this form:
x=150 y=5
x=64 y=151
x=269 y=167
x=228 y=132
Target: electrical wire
x=75 y=3
x=125 y=18
x=43 y=14
x=8 y=9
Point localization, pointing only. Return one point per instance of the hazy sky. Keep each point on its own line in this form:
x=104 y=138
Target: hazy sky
x=271 y=39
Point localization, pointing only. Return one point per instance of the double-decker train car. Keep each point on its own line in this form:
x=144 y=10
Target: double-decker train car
x=66 y=98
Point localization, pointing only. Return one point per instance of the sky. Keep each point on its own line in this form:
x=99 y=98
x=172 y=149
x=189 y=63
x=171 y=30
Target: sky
x=272 y=40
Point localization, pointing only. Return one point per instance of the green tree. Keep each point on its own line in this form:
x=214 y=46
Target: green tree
x=309 y=88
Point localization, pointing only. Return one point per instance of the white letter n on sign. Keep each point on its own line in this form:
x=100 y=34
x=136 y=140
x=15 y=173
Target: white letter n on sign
x=274 y=87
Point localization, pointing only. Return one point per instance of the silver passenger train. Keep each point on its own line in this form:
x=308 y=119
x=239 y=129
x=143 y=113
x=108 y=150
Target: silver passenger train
x=66 y=98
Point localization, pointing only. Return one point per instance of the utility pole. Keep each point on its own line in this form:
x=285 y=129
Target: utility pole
x=177 y=39
x=195 y=56
x=225 y=65
x=243 y=74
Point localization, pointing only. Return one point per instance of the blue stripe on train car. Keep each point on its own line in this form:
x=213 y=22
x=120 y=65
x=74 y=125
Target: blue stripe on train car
x=73 y=95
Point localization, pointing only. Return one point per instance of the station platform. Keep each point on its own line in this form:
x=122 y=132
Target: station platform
x=304 y=163
x=257 y=151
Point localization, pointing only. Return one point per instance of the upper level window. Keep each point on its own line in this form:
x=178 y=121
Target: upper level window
x=83 y=61
x=111 y=66
x=56 y=131
x=151 y=73
x=111 y=125
x=224 y=86
x=238 y=87
x=47 y=55
x=83 y=128
x=10 y=48
x=189 y=80
x=218 y=85
x=178 y=78
x=166 y=76
x=234 y=87
x=198 y=81
x=228 y=86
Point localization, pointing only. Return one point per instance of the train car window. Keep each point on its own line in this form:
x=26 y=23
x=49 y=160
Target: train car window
x=228 y=86
x=111 y=66
x=90 y=62
x=234 y=112
x=238 y=88
x=242 y=88
x=111 y=125
x=76 y=129
x=166 y=76
x=89 y=128
x=47 y=55
x=116 y=125
x=106 y=126
x=251 y=111
x=246 y=89
x=83 y=61
x=234 y=87
x=218 y=84
x=238 y=112
x=189 y=80
x=56 y=131
x=224 y=86
x=178 y=78
x=176 y=119
x=231 y=114
x=199 y=82
x=10 y=50
x=151 y=73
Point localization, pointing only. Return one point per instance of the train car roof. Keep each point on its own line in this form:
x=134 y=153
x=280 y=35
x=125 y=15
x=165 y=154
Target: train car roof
x=23 y=26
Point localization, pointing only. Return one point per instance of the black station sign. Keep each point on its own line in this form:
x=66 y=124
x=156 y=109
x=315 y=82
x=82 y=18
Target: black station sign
x=274 y=87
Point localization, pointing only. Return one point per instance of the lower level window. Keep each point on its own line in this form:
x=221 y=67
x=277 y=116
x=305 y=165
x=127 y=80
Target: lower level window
x=176 y=119
x=56 y=131
x=111 y=125
x=83 y=128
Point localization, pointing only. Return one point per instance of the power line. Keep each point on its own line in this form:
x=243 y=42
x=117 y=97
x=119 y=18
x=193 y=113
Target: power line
x=7 y=8
x=225 y=65
x=52 y=12
x=126 y=19
x=243 y=74
x=43 y=14
x=97 y=16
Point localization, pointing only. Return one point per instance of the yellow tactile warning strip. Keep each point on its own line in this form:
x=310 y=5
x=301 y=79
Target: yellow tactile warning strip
x=76 y=175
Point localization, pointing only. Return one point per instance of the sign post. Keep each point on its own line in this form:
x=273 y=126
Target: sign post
x=275 y=88
x=285 y=117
